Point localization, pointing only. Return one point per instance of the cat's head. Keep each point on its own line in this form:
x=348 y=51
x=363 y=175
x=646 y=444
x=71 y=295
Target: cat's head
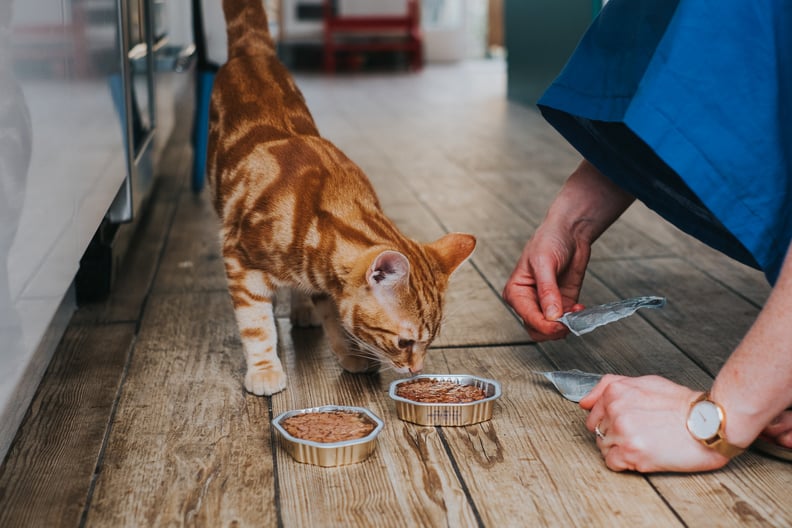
x=394 y=306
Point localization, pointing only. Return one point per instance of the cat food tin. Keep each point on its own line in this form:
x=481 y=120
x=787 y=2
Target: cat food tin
x=444 y=399
x=329 y=436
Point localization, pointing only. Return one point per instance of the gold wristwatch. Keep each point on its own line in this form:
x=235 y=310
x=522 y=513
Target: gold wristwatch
x=706 y=423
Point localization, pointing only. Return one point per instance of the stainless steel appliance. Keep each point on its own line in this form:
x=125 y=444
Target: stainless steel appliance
x=87 y=91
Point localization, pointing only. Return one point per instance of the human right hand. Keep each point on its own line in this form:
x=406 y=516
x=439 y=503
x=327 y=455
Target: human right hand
x=548 y=276
x=547 y=279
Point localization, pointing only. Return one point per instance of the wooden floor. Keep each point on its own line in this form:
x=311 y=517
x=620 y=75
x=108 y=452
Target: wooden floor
x=142 y=419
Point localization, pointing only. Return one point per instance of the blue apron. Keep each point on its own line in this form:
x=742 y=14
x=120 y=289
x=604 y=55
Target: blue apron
x=687 y=104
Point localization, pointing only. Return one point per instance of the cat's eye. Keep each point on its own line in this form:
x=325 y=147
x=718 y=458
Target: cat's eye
x=406 y=343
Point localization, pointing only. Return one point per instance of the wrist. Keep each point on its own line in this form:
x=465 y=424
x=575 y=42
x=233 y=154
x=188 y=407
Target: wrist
x=744 y=420
x=588 y=203
x=572 y=223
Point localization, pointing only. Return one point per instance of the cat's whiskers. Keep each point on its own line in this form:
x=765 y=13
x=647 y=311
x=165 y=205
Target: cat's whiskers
x=367 y=350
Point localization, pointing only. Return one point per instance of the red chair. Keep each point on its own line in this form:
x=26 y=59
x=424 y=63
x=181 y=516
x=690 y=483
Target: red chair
x=368 y=33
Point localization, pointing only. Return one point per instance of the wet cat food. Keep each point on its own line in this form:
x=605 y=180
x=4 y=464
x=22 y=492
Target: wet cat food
x=428 y=390
x=330 y=426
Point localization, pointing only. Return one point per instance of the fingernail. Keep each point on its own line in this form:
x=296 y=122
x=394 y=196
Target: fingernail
x=553 y=312
x=776 y=420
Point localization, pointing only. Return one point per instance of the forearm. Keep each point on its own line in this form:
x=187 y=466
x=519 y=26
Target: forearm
x=588 y=203
x=755 y=384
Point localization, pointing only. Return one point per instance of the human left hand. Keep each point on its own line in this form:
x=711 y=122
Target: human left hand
x=643 y=426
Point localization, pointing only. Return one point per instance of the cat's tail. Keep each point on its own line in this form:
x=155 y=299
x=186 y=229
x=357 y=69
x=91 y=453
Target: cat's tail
x=247 y=28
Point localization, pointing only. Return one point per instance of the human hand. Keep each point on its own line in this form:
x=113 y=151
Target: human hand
x=643 y=428
x=548 y=276
x=780 y=429
x=546 y=281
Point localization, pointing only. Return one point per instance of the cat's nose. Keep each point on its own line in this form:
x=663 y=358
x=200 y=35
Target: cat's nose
x=416 y=367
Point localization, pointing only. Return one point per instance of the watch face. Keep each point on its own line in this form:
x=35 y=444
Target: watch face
x=704 y=420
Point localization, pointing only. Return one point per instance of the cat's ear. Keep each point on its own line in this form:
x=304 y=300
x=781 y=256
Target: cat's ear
x=388 y=269
x=452 y=250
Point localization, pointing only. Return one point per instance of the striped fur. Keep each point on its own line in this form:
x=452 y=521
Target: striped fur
x=296 y=212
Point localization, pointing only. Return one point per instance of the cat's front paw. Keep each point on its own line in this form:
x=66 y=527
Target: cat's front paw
x=265 y=382
x=358 y=364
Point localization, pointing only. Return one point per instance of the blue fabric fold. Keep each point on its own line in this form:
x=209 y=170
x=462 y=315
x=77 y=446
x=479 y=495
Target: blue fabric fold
x=687 y=105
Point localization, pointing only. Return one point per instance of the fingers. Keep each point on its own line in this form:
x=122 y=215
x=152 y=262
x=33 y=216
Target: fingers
x=522 y=296
x=785 y=440
x=596 y=393
x=780 y=429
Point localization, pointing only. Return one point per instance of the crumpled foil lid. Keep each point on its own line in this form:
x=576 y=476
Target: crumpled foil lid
x=588 y=319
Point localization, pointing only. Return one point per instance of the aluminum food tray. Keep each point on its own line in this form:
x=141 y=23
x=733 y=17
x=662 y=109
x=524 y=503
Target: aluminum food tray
x=447 y=414
x=330 y=454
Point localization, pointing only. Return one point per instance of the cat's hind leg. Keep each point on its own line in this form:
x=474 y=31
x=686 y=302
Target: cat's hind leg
x=253 y=308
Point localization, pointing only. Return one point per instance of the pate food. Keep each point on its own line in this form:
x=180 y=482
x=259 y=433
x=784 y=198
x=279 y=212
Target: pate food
x=329 y=426
x=428 y=390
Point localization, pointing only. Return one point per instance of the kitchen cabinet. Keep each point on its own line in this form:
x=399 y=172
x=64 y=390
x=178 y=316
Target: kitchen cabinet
x=71 y=163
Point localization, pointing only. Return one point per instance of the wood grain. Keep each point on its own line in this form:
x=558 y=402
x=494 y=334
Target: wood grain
x=475 y=314
x=46 y=478
x=192 y=260
x=188 y=446
x=536 y=455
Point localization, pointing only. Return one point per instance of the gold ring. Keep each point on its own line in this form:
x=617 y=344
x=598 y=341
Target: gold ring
x=599 y=433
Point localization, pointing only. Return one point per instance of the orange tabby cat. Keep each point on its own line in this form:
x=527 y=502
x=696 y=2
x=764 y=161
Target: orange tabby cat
x=296 y=212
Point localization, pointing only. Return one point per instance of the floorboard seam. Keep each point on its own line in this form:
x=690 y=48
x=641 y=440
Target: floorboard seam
x=160 y=255
x=275 y=475
x=460 y=478
x=106 y=438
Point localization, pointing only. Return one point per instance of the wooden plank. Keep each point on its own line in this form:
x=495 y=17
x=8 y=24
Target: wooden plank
x=191 y=260
x=510 y=458
x=187 y=441
x=535 y=461
x=527 y=193
x=458 y=201
x=414 y=220
x=407 y=481
x=46 y=477
x=475 y=314
x=495 y=258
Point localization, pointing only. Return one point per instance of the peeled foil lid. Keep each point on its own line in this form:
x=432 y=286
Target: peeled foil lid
x=588 y=319
x=572 y=384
